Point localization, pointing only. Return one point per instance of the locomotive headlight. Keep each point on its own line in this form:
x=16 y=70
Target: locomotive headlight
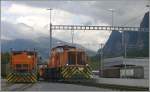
x=66 y=64
x=80 y=68
x=87 y=64
x=29 y=56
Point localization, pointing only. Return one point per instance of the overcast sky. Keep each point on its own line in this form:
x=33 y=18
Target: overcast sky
x=30 y=19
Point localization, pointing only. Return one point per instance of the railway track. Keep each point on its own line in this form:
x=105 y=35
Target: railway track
x=16 y=87
x=22 y=87
x=91 y=83
x=5 y=87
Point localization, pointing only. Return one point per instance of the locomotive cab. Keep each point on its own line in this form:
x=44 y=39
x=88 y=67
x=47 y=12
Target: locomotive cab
x=76 y=57
x=67 y=56
x=22 y=61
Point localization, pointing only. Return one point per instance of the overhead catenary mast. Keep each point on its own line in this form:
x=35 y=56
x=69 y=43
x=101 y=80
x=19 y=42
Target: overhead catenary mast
x=50 y=31
x=112 y=20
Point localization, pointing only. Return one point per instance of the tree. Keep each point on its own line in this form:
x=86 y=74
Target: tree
x=5 y=58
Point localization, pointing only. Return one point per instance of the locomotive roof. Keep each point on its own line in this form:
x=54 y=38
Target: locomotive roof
x=18 y=52
x=64 y=46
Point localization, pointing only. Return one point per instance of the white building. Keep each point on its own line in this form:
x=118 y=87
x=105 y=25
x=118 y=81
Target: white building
x=144 y=62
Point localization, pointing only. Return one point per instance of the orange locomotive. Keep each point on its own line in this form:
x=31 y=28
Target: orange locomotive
x=67 y=62
x=23 y=66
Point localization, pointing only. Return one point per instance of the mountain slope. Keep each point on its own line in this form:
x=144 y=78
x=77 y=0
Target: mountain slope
x=137 y=42
x=22 y=37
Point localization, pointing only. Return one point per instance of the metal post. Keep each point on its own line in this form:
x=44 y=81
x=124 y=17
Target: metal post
x=72 y=34
x=101 y=59
x=112 y=11
x=125 y=54
x=99 y=66
x=10 y=70
x=112 y=17
x=50 y=37
x=50 y=31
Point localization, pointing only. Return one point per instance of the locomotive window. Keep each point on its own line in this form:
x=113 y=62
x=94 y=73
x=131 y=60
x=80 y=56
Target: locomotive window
x=25 y=65
x=30 y=53
x=81 y=58
x=18 y=65
x=16 y=53
x=59 y=50
x=71 y=58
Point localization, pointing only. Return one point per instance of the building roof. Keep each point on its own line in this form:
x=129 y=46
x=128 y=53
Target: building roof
x=129 y=61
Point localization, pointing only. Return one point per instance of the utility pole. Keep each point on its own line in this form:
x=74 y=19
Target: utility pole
x=50 y=31
x=125 y=50
x=72 y=34
x=112 y=11
x=101 y=58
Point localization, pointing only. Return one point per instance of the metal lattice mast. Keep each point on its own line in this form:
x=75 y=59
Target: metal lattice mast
x=50 y=30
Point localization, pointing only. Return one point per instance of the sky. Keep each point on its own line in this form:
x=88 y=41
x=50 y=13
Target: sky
x=29 y=19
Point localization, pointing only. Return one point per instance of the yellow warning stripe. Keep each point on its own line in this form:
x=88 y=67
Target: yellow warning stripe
x=71 y=70
x=66 y=71
x=16 y=77
x=74 y=71
x=88 y=70
x=10 y=76
x=33 y=78
x=24 y=79
x=85 y=74
x=28 y=78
